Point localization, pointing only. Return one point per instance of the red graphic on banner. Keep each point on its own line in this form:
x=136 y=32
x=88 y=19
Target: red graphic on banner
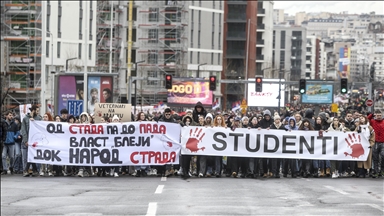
x=194 y=140
x=355 y=144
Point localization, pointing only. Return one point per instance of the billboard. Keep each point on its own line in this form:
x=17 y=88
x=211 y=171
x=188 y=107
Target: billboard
x=70 y=87
x=318 y=94
x=188 y=93
x=269 y=96
x=344 y=62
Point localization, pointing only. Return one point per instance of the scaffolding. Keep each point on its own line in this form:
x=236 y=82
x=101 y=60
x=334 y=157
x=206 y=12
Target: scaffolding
x=22 y=77
x=110 y=15
x=162 y=38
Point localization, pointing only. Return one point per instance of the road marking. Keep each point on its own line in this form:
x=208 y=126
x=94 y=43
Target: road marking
x=163 y=179
x=372 y=205
x=159 y=189
x=152 y=208
x=335 y=189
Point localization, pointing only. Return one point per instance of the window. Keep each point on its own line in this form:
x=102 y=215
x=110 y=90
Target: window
x=81 y=26
x=212 y=58
x=282 y=39
x=152 y=58
x=152 y=74
x=191 y=38
x=213 y=40
x=219 y=40
x=190 y=57
x=90 y=52
x=198 y=39
x=218 y=58
x=58 y=49
x=220 y=5
x=282 y=57
x=153 y=35
x=59 y=27
x=198 y=57
x=153 y=15
x=47 y=48
x=79 y=51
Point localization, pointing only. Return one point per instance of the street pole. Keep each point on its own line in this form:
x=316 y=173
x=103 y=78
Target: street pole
x=246 y=60
x=278 y=107
x=85 y=87
x=198 y=69
x=52 y=76
x=111 y=38
x=134 y=111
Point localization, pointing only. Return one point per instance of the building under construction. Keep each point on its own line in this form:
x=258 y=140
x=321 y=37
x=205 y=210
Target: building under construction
x=21 y=51
x=111 y=37
x=162 y=45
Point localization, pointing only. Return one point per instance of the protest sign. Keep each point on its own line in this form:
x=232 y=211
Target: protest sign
x=113 y=144
x=264 y=143
x=123 y=111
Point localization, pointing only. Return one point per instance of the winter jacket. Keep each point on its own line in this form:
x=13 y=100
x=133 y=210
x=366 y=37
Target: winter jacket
x=12 y=130
x=164 y=119
x=378 y=126
x=288 y=126
x=196 y=114
x=25 y=126
x=273 y=126
x=309 y=115
x=266 y=123
x=3 y=131
x=338 y=128
x=87 y=116
x=182 y=123
x=350 y=125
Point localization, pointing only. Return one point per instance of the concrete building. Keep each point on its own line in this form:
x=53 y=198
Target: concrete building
x=289 y=19
x=264 y=39
x=322 y=27
x=312 y=57
x=289 y=51
x=239 y=52
x=322 y=54
x=33 y=55
x=300 y=17
x=278 y=16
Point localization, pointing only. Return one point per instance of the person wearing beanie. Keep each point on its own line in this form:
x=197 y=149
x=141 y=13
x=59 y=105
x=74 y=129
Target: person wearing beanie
x=275 y=162
x=245 y=122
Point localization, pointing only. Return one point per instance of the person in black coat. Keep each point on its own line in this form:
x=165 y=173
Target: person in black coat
x=275 y=162
x=199 y=110
x=265 y=123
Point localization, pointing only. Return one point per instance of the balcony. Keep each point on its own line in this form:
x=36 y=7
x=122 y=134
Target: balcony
x=260 y=26
x=296 y=38
x=235 y=53
x=260 y=42
x=260 y=57
x=236 y=36
x=237 y=2
x=308 y=53
x=293 y=57
x=308 y=62
x=260 y=11
x=236 y=18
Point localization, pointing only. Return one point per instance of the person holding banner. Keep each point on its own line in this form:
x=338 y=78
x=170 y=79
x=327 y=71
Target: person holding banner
x=367 y=131
x=84 y=119
x=321 y=126
x=306 y=164
x=275 y=162
x=253 y=162
x=32 y=116
x=335 y=126
x=265 y=123
x=233 y=162
x=292 y=163
x=205 y=160
x=165 y=170
x=46 y=168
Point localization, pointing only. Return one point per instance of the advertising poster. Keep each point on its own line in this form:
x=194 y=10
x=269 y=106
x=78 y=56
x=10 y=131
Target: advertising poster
x=269 y=96
x=344 y=62
x=189 y=93
x=318 y=94
x=67 y=91
x=106 y=90
x=71 y=87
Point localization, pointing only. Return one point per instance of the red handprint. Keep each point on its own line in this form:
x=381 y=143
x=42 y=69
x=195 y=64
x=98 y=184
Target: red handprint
x=194 y=140
x=355 y=144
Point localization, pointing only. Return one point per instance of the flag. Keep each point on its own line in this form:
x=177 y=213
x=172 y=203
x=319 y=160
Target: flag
x=235 y=106
x=215 y=105
x=50 y=108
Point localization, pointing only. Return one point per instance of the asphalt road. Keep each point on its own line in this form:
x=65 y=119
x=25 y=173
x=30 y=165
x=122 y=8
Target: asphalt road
x=174 y=196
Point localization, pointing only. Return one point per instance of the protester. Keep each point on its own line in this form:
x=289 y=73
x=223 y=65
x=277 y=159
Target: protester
x=368 y=132
x=9 y=144
x=377 y=123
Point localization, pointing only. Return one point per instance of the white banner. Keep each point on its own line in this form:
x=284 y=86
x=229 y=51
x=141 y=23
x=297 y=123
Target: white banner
x=274 y=144
x=113 y=144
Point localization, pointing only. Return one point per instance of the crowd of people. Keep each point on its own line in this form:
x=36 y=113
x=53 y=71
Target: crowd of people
x=14 y=137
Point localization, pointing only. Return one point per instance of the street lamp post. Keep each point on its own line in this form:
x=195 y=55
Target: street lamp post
x=134 y=111
x=66 y=62
x=198 y=69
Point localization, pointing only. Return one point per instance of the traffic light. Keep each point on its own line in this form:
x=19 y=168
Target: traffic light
x=168 y=81
x=343 y=85
x=212 y=83
x=302 y=86
x=259 y=84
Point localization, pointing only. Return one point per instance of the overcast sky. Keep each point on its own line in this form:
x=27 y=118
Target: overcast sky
x=358 y=7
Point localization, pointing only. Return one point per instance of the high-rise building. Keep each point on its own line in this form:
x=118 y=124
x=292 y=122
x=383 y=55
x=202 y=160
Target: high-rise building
x=264 y=38
x=312 y=58
x=239 y=48
x=289 y=51
x=278 y=15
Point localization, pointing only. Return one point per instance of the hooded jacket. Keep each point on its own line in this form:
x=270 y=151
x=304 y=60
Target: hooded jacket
x=309 y=115
x=264 y=123
x=87 y=120
x=288 y=126
x=25 y=126
x=182 y=123
x=196 y=114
